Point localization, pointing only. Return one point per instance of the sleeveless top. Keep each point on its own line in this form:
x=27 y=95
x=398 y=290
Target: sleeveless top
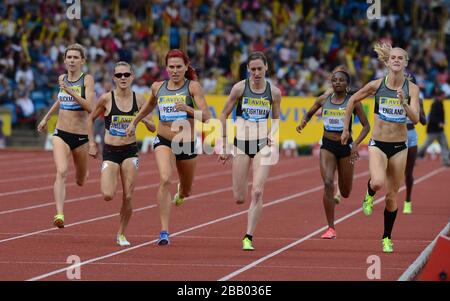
x=116 y=122
x=388 y=106
x=166 y=100
x=66 y=101
x=333 y=115
x=254 y=106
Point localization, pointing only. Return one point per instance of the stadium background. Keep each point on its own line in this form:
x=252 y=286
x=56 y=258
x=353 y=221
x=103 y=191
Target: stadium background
x=303 y=40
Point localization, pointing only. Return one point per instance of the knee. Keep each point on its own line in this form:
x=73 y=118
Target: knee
x=257 y=193
x=376 y=184
x=82 y=178
x=329 y=185
x=81 y=182
x=240 y=198
x=345 y=193
x=108 y=196
x=164 y=181
x=127 y=199
x=61 y=174
x=126 y=205
x=391 y=204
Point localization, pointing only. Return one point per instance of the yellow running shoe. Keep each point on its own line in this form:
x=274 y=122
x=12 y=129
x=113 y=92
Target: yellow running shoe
x=58 y=220
x=407 y=208
x=387 y=245
x=122 y=241
x=368 y=204
x=247 y=244
x=177 y=200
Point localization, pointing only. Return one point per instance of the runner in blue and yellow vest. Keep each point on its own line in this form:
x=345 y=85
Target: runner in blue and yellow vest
x=179 y=100
x=333 y=155
x=75 y=99
x=396 y=98
x=255 y=100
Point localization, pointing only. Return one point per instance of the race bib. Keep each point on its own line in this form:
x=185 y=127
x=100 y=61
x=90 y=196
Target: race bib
x=66 y=101
x=390 y=109
x=254 y=109
x=333 y=120
x=167 y=110
x=119 y=124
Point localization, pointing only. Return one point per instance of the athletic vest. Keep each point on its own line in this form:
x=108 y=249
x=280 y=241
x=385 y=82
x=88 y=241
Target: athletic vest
x=387 y=105
x=168 y=98
x=254 y=106
x=66 y=101
x=116 y=122
x=333 y=115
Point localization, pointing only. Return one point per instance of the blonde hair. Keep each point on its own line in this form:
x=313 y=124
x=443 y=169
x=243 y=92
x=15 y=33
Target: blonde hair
x=383 y=51
x=123 y=63
x=78 y=48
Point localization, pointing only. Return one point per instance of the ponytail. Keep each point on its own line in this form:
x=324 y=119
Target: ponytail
x=383 y=50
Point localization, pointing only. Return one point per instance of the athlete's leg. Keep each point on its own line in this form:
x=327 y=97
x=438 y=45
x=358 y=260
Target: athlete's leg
x=128 y=173
x=80 y=159
x=409 y=177
x=241 y=166
x=395 y=175
x=345 y=176
x=186 y=173
x=164 y=161
x=377 y=166
x=328 y=165
x=260 y=174
x=108 y=179
x=61 y=153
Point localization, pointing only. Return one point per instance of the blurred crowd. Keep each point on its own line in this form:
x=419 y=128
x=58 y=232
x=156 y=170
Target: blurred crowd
x=304 y=40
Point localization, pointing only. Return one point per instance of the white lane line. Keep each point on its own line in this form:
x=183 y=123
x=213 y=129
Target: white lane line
x=291 y=245
x=99 y=195
x=152 y=206
x=317 y=188
x=154 y=171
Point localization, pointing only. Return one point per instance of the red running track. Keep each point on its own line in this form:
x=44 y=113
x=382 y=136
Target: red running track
x=206 y=232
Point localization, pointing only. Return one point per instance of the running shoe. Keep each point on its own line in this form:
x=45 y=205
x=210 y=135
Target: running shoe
x=387 y=245
x=177 y=200
x=407 y=208
x=163 y=238
x=368 y=204
x=122 y=241
x=58 y=220
x=329 y=234
x=247 y=244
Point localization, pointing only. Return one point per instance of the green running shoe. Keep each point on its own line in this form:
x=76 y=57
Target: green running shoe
x=122 y=241
x=247 y=244
x=177 y=200
x=58 y=220
x=407 y=208
x=368 y=204
x=387 y=245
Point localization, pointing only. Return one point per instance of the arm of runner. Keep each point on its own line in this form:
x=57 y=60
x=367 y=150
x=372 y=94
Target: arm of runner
x=146 y=109
x=368 y=90
x=99 y=109
x=307 y=117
